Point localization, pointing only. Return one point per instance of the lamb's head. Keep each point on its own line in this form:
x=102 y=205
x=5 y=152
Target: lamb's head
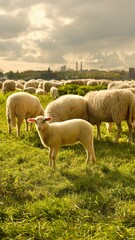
x=39 y=121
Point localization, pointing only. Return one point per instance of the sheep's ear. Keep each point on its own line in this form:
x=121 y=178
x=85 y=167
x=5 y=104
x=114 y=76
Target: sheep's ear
x=31 y=120
x=48 y=119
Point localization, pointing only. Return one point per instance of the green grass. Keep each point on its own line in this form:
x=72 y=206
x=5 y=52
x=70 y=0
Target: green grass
x=73 y=202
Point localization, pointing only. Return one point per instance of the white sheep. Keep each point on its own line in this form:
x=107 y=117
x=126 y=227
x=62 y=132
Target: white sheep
x=8 y=85
x=31 y=90
x=31 y=83
x=111 y=106
x=55 y=135
x=67 y=107
x=22 y=105
x=39 y=91
x=54 y=92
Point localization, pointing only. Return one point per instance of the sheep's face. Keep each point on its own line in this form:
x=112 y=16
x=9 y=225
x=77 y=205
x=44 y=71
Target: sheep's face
x=39 y=121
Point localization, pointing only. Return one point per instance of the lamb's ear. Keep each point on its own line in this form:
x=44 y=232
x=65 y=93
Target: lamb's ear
x=31 y=120
x=48 y=119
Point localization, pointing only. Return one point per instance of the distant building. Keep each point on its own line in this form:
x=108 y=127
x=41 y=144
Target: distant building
x=132 y=73
x=76 y=66
x=81 y=66
x=63 y=68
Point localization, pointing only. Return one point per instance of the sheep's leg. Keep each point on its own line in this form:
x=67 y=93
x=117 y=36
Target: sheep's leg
x=52 y=156
x=119 y=130
x=109 y=126
x=130 y=131
x=19 y=126
x=90 y=152
x=90 y=155
x=98 y=131
x=31 y=125
x=26 y=125
x=9 y=125
x=9 y=129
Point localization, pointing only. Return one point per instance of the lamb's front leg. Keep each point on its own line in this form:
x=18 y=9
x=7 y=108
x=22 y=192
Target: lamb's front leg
x=52 y=155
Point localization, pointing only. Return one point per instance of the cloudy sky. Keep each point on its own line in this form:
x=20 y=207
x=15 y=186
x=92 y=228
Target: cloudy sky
x=37 y=34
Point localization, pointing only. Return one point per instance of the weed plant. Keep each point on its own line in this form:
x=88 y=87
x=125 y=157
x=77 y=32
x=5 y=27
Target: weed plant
x=73 y=202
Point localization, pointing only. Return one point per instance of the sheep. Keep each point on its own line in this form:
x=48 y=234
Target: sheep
x=47 y=86
x=52 y=83
x=31 y=83
x=111 y=106
x=19 y=86
x=39 y=91
x=114 y=85
x=69 y=132
x=8 y=85
x=67 y=107
x=54 y=92
x=31 y=90
x=74 y=81
x=21 y=105
x=93 y=82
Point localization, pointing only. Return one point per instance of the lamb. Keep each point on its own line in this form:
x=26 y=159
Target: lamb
x=22 y=105
x=66 y=107
x=69 y=132
x=111 y=106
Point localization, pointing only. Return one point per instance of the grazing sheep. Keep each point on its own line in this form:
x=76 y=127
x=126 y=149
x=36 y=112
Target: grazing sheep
x=21 y=105
x=54 y=92
x=67 y=107
x=52 y=83
x=114 y=85
x=8 y=86
x=74 y=81
x=47 y=86
x=55 y=135
x=111 y=106
x=31 y=90
x=19 y=86
x=31 y=83
x=39 y=91
x=92 y=82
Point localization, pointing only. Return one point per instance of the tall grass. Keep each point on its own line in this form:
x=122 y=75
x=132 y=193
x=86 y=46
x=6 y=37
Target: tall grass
x=73 y=202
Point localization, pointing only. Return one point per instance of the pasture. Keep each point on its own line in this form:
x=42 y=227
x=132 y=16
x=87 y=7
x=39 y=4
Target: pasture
x=73 y=202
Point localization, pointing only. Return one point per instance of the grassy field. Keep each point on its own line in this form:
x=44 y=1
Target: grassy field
x=74 y=202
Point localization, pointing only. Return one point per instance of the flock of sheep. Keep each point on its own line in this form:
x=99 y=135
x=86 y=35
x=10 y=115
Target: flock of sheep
x=68 y=119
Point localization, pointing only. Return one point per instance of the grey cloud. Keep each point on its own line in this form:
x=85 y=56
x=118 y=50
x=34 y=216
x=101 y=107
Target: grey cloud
x=10 y=49
x=18 y=4
x=12 y=26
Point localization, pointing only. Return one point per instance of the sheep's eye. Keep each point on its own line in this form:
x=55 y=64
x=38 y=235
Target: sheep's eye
x=43 y=121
